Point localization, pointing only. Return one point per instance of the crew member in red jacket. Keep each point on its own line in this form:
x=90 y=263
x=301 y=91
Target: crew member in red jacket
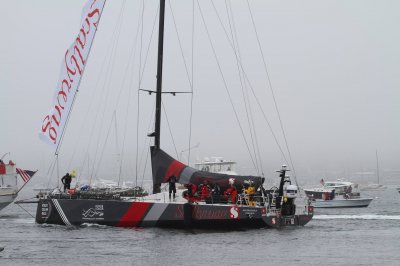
x=205 y=191
x=231 y=191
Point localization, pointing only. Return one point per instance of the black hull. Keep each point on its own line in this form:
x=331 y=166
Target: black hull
x=149 y=214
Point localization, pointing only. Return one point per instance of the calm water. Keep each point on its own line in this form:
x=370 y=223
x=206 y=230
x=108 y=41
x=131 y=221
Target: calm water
x=366 y=236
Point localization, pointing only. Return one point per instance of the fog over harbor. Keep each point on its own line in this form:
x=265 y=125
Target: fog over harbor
x=334 y=67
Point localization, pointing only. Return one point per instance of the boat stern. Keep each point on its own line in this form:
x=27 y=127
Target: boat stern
x=46 y=212
x=276 y=220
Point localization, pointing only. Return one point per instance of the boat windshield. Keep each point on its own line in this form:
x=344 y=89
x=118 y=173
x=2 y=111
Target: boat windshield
x=216 y=166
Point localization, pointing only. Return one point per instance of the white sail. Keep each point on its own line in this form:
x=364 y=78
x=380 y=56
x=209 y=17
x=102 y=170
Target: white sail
x=72 y=67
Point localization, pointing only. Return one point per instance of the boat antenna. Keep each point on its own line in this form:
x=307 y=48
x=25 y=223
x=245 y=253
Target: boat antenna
x=157 y=124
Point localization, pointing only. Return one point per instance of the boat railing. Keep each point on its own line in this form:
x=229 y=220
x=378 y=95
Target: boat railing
x=250 y=200
x=95 y=194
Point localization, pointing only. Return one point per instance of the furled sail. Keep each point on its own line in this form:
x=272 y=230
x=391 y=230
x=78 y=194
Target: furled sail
x=72 y=67
x=164 y=166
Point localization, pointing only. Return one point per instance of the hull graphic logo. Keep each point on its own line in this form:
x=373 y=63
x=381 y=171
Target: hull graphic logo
x=234 y=212
x=94 y=213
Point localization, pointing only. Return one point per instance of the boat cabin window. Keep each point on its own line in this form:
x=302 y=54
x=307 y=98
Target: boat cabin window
x=216 y=167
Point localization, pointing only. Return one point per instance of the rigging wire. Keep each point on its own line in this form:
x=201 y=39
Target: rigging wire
x=250 y=122
x=150 y=41
x=192 y=85
x=104 y=146
x=190 y=79
x=141 y=73
x=225 y=84
x=107 y=83
x=145 y=167
x=170 y=131
x=50 y=171
x=271 y=88
x=252 y=90
x=147 y=140
x=180 y=44
x=139 y=86
x=131 y=55
x=116 y=141
x=247 y=95
x=103 y=64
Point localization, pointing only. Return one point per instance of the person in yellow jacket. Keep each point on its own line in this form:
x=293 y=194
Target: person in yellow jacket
x=250 y=192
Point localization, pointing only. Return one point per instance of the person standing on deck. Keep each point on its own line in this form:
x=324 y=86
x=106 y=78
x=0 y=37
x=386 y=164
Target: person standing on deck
x=66 y=180
x=172 y=187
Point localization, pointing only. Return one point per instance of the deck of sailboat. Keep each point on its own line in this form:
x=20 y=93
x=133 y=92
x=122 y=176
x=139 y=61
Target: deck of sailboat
x=163 y=197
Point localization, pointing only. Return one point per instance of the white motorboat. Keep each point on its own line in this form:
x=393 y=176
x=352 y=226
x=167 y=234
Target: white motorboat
x=216 y=165
x=8 y=184
x=341 y=203
x=337 y=194
x=9 y=187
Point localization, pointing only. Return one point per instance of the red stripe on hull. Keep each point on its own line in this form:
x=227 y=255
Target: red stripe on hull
x=174 y=169
x=135 y=214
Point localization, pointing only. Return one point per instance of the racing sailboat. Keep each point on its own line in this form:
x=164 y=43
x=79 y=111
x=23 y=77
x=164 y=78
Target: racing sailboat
x=212 y=200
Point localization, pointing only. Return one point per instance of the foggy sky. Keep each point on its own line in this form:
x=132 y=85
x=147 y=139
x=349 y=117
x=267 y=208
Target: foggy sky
x=334 y=67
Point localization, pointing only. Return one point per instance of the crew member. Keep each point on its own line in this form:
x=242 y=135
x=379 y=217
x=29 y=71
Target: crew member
x=205 y=191
x=231 y=191
x=66 y=180
x=216 y=194
x=189 y=194
x=249 y=191
x=172 y=187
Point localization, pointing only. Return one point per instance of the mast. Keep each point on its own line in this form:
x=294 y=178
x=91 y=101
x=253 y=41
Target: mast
x=377 y=165
x=159 y=75
x=157 y=123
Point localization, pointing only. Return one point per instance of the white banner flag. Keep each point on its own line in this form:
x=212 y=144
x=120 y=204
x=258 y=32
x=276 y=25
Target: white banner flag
x=71 y=72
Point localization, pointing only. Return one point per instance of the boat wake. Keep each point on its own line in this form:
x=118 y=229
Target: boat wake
x=93 y=225
x=357 y=217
